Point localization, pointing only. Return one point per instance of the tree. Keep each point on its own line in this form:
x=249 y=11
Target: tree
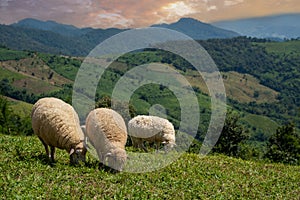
x=119 y=106
x=5 y=114
x=284 y=145
x=232 y=135
x=11 y=123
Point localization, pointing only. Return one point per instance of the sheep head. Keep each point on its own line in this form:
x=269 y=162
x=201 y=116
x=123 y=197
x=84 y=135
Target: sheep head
x=77 y=154
x=116 y=159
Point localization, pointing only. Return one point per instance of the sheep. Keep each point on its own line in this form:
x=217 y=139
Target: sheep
x=107 y=132
x=57 y=125
x=151 y=129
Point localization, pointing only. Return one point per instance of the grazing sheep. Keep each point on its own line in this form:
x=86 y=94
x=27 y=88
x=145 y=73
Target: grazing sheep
x=106 y=130
x=151 y=129
x=57 y=125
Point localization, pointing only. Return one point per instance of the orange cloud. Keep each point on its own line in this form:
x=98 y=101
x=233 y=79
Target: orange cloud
x=132 y=13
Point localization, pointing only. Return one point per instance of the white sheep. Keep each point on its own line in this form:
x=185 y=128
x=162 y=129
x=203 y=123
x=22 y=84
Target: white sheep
x=106 y=130
x=151 y=129
x=57 y=125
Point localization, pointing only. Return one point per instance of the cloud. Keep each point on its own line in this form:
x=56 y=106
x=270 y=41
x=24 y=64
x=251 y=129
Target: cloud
x=233 y=2
x=4 y=3
x=142 y=13
x=178 y=8
x=111 y=20
x=210 y=8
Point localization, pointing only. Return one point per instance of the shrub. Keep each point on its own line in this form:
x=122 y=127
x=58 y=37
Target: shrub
x=284 y=145
x=232 y=136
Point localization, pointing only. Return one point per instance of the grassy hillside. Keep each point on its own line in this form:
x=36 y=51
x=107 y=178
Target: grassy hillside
x=25 y=174
x=244 y=64
x=265 y=124
x=245 y=88
x=283 y=48
x=32 y=74
x=21 y=108
x=46 y=74
x=7 y=54
x=241 y=87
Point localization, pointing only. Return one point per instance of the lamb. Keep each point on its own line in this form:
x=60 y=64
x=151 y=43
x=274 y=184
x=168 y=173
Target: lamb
x=106 y=130
x=151 y=129
x=57 y=125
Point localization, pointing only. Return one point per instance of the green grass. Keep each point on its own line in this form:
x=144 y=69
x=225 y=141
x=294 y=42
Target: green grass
x=21 y=108
x=281 y=48
x=21 y=83
x=241 y=87
x=25 y=174
x=267 y=125
x=7 y=54
x=5 y=73
x=35 y=86
x=66 y=67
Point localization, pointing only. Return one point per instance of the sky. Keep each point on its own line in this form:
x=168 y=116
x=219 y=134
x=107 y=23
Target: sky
x=139 y=13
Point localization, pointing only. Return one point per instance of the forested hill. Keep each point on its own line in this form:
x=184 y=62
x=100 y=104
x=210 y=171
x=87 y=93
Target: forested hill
x=275 y=64
x=261 y=80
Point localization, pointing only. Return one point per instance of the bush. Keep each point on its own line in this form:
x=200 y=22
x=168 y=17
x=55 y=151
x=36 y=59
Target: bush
x=121 y=107
x=284 y=145
x=232 y=137
x=11 y=123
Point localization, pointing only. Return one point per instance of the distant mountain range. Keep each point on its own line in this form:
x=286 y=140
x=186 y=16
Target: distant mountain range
x=52 y=37
x=191 y=27
x=198 y=30
x=56 y=38
x=63 y=29
x=275 y=27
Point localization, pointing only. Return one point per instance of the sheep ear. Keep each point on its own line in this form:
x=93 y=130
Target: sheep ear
x=71 y=151
x=107 y=155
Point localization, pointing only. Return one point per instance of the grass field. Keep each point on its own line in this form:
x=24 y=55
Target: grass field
x=25 y=82
x=7 y=54
x=25 y=174
x=281 y=48
x=4 y=73
x=20 y=108
x=266 y=125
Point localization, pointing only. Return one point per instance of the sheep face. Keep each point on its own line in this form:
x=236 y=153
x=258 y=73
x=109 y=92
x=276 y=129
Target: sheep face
x=77 y=155
x=169 y=142
x=168 y=146
x=116 y=159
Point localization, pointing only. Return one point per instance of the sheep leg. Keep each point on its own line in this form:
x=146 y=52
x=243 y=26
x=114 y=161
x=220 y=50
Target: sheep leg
x=157 y=145
x=134 y=141
x=46 y=147
x=143 y=146
x=101 y=159
x=52 y=149
x=135 y=144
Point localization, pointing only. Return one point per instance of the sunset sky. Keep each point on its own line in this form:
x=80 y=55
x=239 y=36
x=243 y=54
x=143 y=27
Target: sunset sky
x=139 y=13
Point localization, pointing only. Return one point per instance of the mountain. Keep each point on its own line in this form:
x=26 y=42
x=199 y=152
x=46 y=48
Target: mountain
x=277 y=26
x=62 y=29
x=52 y=37
x=198 y=30
x=21 y=38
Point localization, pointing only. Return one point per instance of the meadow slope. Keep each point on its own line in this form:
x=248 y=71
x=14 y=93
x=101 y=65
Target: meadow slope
x=25 y=174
